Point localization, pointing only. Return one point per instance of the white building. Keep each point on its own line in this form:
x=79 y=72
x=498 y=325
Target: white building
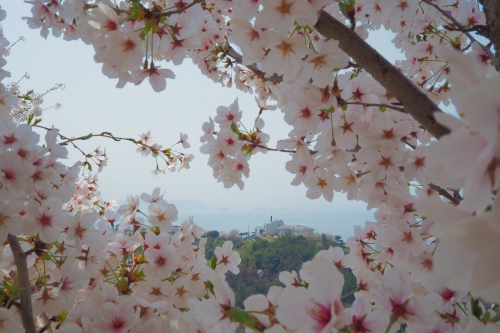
x=258 y=231
x=294 y=230
x=270 y=228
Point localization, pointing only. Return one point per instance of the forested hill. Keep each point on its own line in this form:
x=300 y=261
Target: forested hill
x=262 y=260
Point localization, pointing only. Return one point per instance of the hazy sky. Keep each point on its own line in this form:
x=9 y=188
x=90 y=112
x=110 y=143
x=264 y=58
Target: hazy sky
x=91 y=103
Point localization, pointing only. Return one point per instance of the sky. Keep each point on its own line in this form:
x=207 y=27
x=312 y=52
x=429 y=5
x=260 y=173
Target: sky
x=92 y=104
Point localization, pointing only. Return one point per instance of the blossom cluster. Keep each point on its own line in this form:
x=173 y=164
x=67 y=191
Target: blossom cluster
x=428 y=260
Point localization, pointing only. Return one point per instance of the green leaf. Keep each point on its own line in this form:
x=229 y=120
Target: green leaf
x=45 y=256
x=495 y=319
x=247 y=150
x=213 y=262
x=234 y=127
x=62 y=317
x=149 y=26
x=140 y=275
x=244 y=318
x=476 y=309
x=37 y=120
x=122 y=282
x=209 y=285
x=347 y=7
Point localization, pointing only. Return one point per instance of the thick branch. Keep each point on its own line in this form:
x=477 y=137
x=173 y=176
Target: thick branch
x=491 y=10
x=414 y=100
x=24 y=284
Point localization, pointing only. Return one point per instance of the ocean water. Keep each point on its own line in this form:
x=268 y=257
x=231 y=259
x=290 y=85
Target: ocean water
x=323 y=221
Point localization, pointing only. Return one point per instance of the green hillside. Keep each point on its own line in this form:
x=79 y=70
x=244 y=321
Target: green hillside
x=262 y=260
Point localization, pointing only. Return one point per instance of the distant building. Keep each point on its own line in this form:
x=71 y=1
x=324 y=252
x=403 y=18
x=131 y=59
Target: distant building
x=294 y=230
x=258 y=231
x=270 y=228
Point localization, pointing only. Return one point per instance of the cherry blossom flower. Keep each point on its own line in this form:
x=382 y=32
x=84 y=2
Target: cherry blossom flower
x=116 y=318
x=157 y=77
x=69 y=280
x=48 y=222
x=228 y=115
x=8 y=323
x=162 y=214
x=162 y=261
x=465 y=240
x=360 y=318
x=320 y=183
x=286 y=55
x=280 y=15
x=211 y=311
x=317 y=308
x=319 y=66
x=227 y=259
x=396 y=299
x=248 y=38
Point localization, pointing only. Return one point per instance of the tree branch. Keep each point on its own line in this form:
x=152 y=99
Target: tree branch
x=179 y=10
x=491 y=9
x=44 y=323
x=464 y=30
x=387 y=106
x=414 y=100
x=445 y=194
x=24 y=284
x=275 y=78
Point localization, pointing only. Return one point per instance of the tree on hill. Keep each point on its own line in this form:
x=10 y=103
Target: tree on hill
x=263 y=260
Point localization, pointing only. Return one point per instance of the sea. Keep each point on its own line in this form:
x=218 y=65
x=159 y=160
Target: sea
x=323 y=221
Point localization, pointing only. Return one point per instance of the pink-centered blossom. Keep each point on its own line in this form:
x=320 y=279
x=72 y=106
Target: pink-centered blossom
x=116 y=318
x=317 y=308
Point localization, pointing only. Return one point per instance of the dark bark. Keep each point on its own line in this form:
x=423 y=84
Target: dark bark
x=491 y=10
x=24 y=283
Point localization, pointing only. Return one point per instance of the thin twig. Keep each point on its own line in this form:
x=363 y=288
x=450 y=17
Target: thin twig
x=409 y=144
x=273 y=149
x=178 y=11
x=24 y=284
x=275 y=78
x=445 y=194
x=44 y=323
x=103 y=135
x=388 y=106
x=463 y=29
x=477 y=28
x=312 y=152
